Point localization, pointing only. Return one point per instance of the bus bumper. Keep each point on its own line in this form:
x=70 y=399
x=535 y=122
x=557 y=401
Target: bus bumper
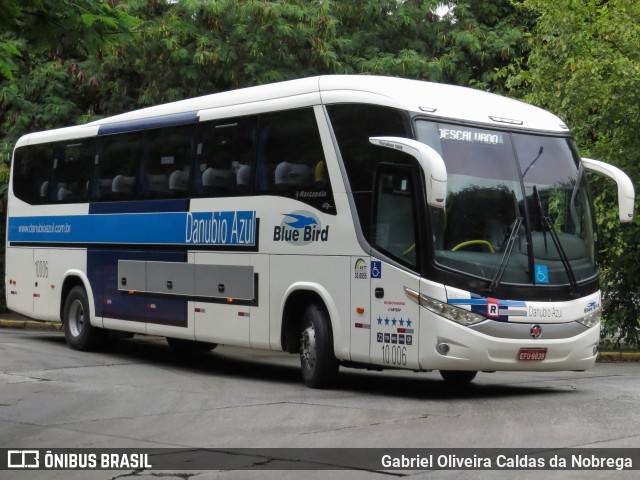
x=467 y=349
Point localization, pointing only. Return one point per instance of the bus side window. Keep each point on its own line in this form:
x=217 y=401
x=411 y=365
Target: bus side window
x=118 y=165
x=53 y=172
x=290 y=159
x=353 y=125
x=224 y=157
x=73 y=171
x=394 y=214
x=167 y=167
x=218 y=178
x=289 y=150
x=31 y=173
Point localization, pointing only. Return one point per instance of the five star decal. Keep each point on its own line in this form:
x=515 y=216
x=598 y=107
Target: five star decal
x=394 y=322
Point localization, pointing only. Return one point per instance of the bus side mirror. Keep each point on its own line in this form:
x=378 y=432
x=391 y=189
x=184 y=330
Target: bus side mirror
x=430 y=161
x=626 y=192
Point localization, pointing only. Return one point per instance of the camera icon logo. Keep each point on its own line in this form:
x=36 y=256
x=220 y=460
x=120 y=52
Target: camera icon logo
x=23 y=459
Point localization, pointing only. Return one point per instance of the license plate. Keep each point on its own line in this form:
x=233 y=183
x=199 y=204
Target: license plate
x=532 y=354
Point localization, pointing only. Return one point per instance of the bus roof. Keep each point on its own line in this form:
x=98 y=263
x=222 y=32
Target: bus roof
x=441 y=101
x=446 y=102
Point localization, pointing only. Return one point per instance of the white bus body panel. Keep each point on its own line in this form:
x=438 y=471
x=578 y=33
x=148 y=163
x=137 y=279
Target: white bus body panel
x=396 y=320
x=20 y=280
x=59 y=134
x=225 y=323
x=35 y=277
x=293 y=92
x=328 y=277
x=264 y=106
x=360 y=313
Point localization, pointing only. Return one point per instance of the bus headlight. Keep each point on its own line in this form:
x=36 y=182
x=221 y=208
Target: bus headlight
x=592 y=318
x=455 y=314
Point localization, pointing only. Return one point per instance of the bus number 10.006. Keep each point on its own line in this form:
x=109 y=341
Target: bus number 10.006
x=42 y=268
x=394 y=355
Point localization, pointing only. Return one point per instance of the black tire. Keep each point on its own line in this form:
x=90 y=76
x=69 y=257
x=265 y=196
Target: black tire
x=317 y=359
x=78 y=331
x=182 y=346
x=458 y=377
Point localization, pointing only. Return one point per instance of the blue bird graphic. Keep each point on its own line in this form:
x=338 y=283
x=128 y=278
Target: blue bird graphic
x=300 y=220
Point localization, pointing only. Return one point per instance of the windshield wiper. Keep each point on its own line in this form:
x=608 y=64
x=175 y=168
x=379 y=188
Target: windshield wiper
x=548 y=226
x=541 y=216
x=563 y=256
x=513 y=235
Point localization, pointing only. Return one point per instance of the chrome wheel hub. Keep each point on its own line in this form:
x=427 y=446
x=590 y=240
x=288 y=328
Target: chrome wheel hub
x=76 y=318
x=308 y=346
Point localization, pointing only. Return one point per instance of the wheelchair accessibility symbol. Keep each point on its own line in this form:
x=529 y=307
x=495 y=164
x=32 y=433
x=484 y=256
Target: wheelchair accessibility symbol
x=376 y=269
x=542 y=274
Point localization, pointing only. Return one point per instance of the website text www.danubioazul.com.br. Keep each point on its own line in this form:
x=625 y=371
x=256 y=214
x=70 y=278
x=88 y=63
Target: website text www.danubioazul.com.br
x=45 y=228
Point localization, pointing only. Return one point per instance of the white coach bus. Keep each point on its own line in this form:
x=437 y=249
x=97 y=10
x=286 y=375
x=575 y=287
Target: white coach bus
x=356 y=220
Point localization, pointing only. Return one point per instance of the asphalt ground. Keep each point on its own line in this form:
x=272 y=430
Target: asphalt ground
x=14 y=320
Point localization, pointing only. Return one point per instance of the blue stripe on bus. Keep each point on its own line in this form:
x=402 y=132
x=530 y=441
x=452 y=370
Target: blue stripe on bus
x=227 y=228
x=148 y=123
x=483 y=302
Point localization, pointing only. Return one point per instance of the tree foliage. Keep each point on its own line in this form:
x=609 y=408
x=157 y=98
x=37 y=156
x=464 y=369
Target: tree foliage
x=65 y=62
x=192 y=47
x=584 y=65
x=40 y=43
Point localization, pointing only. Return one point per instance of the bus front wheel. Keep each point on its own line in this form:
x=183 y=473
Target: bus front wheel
x=78 y=331
x=317 y=359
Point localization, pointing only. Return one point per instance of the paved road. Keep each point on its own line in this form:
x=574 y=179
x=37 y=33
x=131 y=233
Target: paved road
x=143 y=395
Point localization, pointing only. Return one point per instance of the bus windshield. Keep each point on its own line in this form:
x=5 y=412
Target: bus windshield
x=518 y=209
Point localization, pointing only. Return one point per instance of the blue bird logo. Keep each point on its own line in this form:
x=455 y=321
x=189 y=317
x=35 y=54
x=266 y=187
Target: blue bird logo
x=301 y=221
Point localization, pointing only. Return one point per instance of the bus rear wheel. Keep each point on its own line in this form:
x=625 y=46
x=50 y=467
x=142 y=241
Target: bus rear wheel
x=317 y=359
x=78 y=331
x=458 y=377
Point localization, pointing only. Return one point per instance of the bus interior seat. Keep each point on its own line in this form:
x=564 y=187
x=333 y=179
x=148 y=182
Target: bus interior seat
x=44 y=189
x=64 y=193
x=123 y=185
x=179 y=181
x=243 y=177
x=49 y=190
x=216 y=179
x=293 y=174
x=218 y=176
